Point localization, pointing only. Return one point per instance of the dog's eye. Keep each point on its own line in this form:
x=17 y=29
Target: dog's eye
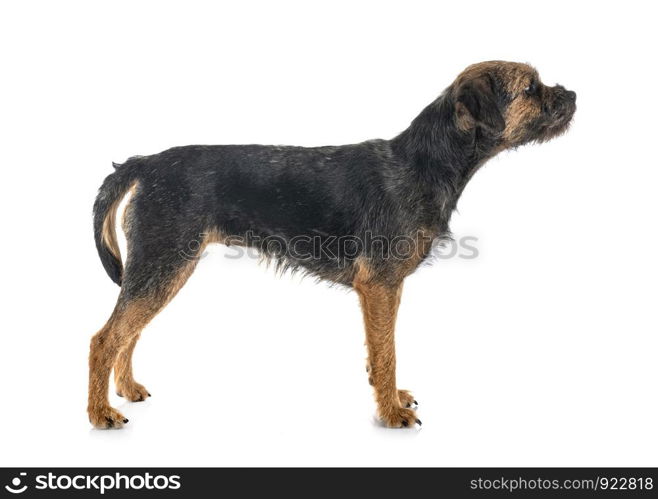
x=531 y=89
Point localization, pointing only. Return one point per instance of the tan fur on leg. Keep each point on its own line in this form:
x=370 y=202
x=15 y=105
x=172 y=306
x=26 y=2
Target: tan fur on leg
x=122 y=328
x=123 y=375
x=113 y=346
x=380 y=304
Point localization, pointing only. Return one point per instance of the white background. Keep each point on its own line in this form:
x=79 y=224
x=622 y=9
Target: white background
x=542 y=351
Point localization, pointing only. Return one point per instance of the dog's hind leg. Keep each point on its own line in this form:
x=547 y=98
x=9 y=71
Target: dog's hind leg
x=123 y=375
x=125 y=323
x=379 y=303
x=148 y=285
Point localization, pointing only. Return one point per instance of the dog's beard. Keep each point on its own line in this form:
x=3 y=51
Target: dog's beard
x=547 y=128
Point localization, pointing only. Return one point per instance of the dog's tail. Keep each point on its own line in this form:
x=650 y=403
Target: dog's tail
x=107 y=202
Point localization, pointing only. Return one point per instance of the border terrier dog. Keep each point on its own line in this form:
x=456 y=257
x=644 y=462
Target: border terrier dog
x=336 y=213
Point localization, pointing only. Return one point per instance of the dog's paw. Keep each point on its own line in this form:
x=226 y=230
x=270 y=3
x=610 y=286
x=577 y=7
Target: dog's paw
x=400 y=417
x=133 y=391
x=407 y=399
x=106 y=417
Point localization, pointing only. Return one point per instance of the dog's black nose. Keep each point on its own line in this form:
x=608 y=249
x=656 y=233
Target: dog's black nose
x=571 y=95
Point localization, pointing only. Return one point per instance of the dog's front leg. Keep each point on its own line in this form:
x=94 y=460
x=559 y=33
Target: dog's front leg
x=379 y=303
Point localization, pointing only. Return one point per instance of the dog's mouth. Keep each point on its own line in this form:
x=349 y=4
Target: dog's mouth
x=554 y=122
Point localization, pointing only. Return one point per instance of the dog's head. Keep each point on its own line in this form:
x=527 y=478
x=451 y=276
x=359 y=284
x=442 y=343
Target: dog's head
x=508 y=101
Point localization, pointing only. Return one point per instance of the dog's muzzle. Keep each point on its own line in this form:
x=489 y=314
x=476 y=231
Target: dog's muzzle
x=561 y=105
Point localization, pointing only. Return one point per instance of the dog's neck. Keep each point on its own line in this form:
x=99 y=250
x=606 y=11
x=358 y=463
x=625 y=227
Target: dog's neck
x=442 y=157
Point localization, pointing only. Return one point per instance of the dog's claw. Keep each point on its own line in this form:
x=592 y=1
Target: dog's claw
x=415 y=402
x=125 y=420
x=419 y=422
x=132 y=391
x=105 y=417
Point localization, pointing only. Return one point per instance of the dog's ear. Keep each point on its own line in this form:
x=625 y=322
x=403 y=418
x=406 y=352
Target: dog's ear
x=475 y=104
